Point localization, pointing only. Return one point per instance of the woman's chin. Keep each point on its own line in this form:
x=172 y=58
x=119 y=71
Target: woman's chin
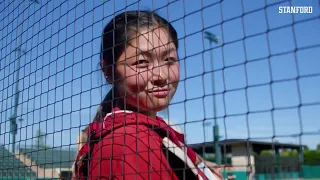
x=154 y=105
x=160 y=105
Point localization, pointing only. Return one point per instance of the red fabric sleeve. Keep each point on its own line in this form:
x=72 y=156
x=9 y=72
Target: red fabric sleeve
x=130 y=152
x=180 y=137
x=191 y=154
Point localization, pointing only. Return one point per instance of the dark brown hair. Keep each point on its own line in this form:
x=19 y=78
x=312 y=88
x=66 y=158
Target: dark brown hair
x=117 y=33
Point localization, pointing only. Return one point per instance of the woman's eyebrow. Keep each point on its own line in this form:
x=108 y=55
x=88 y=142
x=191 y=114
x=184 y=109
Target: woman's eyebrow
x=168 y=51
x=140 y=51
x=149 y=53
x=146 y=52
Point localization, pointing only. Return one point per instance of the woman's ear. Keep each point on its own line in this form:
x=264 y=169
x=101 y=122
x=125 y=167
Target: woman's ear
x=104 y=70
x=109 y=80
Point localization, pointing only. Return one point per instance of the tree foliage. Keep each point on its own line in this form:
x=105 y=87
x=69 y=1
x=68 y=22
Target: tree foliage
x=310 y=157
x=40 y=139
x=289 y=153
x=265 y=153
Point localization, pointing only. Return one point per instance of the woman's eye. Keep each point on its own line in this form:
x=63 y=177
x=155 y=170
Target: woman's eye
x=171 y=59
x=141 y=62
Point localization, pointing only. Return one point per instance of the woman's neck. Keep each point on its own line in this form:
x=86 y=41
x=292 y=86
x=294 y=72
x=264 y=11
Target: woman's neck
x=119 y=103
x=150 y=114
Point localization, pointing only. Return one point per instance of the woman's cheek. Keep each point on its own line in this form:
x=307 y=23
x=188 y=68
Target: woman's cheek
x=174 y=73
x=142 y=80
x=135 y=82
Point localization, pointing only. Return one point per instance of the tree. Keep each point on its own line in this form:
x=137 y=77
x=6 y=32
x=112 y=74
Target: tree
x=311 y=157
x=289 y=153
x=318 y=147
x=265 y=153
x=285 y=153
x=255 y=154
x=293 y=153
x=40 y=139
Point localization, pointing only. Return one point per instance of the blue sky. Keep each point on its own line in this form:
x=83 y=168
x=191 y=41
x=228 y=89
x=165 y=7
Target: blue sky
x=258 y=87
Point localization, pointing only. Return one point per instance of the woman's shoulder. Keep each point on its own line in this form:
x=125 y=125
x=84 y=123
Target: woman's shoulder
x=123 y=125
x=130 y=138
x=173 y=126
x=127 y=124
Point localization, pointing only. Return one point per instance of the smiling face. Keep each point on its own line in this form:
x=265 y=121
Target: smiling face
x=148 y=71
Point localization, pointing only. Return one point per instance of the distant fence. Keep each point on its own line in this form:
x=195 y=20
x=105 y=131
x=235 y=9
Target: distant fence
x=269 y=164
x=310 y=172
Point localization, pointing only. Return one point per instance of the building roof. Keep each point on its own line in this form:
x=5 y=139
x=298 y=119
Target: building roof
x=260 y=143
x=50 y=157
x=256 y=145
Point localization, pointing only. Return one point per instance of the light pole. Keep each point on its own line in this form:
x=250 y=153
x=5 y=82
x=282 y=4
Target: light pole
x=13 y=117
x=209 y=124
x=35 y=1
x=214 y=39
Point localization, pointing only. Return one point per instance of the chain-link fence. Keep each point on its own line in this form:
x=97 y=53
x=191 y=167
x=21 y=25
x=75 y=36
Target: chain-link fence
x=241 y=77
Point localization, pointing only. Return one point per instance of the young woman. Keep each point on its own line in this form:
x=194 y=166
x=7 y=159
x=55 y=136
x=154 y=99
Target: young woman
x=127 y=140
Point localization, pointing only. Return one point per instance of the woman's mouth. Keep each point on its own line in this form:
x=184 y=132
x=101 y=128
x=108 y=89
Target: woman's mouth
x=159 y=93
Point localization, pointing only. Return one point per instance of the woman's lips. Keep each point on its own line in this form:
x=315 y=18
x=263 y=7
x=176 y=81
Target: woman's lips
x=160 y=93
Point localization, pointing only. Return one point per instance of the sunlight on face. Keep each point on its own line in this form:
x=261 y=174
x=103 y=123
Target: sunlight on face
x=148 y=71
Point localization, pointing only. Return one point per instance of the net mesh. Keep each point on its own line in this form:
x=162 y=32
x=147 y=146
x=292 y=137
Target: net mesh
x=248 y=96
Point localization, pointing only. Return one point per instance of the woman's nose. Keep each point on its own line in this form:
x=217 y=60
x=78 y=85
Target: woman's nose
x=159 y=76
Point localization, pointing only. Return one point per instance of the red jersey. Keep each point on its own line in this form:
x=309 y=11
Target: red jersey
x=130 y=145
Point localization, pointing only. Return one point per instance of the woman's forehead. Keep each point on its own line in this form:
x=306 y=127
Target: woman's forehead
x=148 y=40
